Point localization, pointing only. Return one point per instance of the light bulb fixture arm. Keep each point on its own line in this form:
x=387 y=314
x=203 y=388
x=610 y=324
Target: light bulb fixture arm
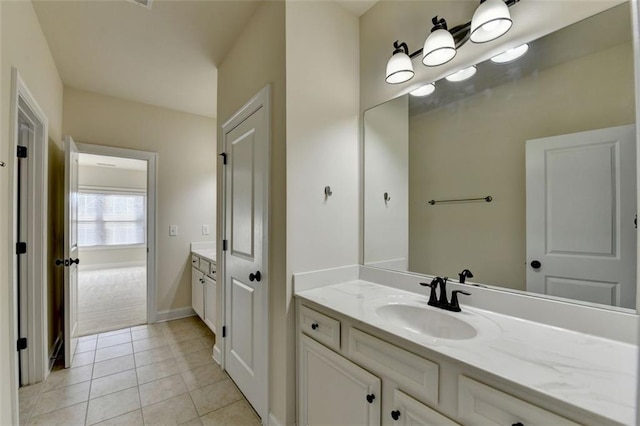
x=460 y=33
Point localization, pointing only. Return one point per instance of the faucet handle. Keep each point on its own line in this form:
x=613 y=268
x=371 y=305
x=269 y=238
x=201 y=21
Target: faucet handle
x=455 y=306
x=433 y=299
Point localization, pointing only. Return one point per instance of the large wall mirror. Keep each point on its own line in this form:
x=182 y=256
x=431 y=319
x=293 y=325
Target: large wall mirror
x=550 y=139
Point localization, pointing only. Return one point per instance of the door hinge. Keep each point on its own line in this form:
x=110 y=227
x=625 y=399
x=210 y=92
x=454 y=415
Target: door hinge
x=224 y=157
x=22 y=343
x=225 y=245
x=224 y=331
x=22 y=151
x=21 y=248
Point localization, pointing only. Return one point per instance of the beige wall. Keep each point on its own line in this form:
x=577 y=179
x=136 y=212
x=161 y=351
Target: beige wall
x=386 y=170
x=112 y=177
x=322 y=147
x=257 y=59
x=23 y=46
x=186 y=178
x=476 y=147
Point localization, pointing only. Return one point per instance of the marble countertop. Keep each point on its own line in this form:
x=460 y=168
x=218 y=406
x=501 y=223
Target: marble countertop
x=207 y=254
x=595 y=374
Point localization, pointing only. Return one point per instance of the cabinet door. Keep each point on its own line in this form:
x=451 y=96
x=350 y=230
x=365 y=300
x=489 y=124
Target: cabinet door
x=333 y=390
x=210 y=303
x=410 y=412
x=197 y=291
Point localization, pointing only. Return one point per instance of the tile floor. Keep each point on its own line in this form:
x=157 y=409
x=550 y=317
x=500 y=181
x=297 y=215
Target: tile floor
x=156 y=374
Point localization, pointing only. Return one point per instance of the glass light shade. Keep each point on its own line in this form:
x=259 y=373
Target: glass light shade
x=490 y=20
x=424 y=90
x=439 y=48
x=399 y=68
x=511 y=54
x=463 y=74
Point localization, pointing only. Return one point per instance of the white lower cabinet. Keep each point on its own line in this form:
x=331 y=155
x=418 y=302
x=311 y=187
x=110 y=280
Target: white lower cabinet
x=197 y=292
x=361 y=379
x=411 y=412
x=482 y=404
x=210 y=302
x=333 y=390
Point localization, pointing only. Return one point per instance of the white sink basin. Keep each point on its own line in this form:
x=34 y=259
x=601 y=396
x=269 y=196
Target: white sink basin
x=427 y=321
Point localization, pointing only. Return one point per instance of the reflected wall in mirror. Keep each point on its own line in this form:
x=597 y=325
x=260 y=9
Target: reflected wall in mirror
x=550 y=137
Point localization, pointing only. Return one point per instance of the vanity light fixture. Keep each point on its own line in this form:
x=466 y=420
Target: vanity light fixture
x=399 y=66
x=490 y=20
x=463 y=74
x=424 y=90
x=511 y=54
x=439 y=47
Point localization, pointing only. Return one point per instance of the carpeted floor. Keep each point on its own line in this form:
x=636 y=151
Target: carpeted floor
x=111 y=299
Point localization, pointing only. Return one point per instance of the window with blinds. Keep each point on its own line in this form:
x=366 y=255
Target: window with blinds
x=111 y=218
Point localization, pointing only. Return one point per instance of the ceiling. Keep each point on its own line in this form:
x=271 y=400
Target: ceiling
x=165 y=56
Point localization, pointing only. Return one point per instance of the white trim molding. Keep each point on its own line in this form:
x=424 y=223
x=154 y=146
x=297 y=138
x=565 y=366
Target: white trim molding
x=24 y=103
x=152 y=208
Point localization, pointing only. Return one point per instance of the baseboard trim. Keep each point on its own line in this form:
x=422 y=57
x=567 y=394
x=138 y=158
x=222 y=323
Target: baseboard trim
x=273 y=421
x=217 y=354
x=173 y=314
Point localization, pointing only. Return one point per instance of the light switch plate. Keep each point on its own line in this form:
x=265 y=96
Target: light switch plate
x=173 y=230
x=205 y=229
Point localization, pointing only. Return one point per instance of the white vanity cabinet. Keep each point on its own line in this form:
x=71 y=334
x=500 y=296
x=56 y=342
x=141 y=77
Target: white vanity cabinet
x=350 y=376
x=334 y=390
x=209 y=315
x=197 y=291
x=203 y=289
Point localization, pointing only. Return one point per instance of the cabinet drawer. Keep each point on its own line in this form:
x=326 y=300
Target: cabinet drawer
x=205 y=265
x=195 y=261
x=319 y=326
x=413 y=373
x=482 y=404
x=212 y=270
x=409 y=411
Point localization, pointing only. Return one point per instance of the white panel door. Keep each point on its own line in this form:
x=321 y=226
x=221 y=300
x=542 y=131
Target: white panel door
x=333 y=390
x=70 y=250
x=581 y=203
x=245 y=275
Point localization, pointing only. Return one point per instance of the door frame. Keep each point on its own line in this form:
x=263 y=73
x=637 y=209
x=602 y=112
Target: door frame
x=152 y=207
x=37 y=239
x=262 y=99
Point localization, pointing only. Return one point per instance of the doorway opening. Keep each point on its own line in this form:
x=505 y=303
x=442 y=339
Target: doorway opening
x=112 y=243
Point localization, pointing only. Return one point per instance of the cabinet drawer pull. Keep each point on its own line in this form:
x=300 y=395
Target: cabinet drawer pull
x=315 y=326
x=395 y=415
x=370 y=398
x=517 y=424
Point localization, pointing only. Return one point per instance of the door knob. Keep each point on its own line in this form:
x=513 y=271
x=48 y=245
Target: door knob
x=62 y=262
x=370 y=398
x=535 y=264
x=395 y=414
x=257 y=276
x=72 y=261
